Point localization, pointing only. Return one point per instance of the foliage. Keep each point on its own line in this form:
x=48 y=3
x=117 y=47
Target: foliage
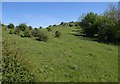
x=11 y=26
x=107 y=29
x=34 y=33
x=57 y=34
x=89 y=24
x=11 y=31
x=40 y=27
x=30 y=28
x=15 y=68
x=61 y=23
x=49 y=29
x=112 y=12
x=54 y=25
x=71 y=25
x=17 y=31
x=41 y=36
x=27 y=33
x=23 y=26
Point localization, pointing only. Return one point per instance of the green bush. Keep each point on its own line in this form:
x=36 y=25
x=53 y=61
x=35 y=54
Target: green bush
x=30 y=28
x=15 y=68
x=107 y=29
x=39 y=35
x=49 y=29
x=23 y=26
x=27 y=33
x=70 y=25
x=61 y=23
x=17 y=31
x=40 y=27
x=42 y=36
x=89 y=24
x=11 y=26
x=57 y=34
x=11 y=31
x=35 y=32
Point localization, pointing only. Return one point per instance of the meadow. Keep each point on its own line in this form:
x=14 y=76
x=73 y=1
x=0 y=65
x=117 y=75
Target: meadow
x=70 y=58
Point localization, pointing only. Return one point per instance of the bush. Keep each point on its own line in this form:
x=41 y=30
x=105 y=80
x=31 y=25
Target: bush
x=57 y=34
x=89 y=24
x=42 y=36
x=107 y=29
x=27 y=33
x=35 y=33
x=11 y=26
x=54 y=25
x=23 y=26
x=61 y=23
x=11 y=31
x=49 y=29
x=30 y=28
x=40 y=27
x=70 y=25
x=39 y=35
x=17 y=31
x=15 y=68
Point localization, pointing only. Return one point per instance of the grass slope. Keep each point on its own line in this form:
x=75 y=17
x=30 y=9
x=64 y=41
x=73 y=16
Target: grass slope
x=69 y=58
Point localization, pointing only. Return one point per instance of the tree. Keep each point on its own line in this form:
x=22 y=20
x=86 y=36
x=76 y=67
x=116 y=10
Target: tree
x=61 y=23
x=89 y=24
x=30 y=28
x=40 y=27
x=23 y=26
x=112 y=12
x=54 y=25
x=11 y=26
x=107 y=29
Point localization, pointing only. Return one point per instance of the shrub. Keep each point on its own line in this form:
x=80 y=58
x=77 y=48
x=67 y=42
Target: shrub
x=23 y=26
x=61 y=23
x=40 y=27
x=15 y=68
x=42 y=36
x=11 y=31
x=57 y=34
x=27 y=33
x=107 y=29
x=30 y=28
x=17 y=31
x=89 y=24
x=11 y=26
x=54 y=25
x=39 y=35
x=35 y=33
x=49 y=29
x=70 y=25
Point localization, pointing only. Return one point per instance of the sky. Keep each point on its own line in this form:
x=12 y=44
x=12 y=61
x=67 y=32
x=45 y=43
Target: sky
x=44 y=14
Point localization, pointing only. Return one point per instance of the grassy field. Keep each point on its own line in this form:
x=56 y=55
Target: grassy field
x=69 y=58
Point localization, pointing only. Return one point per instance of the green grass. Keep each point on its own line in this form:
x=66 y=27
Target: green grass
x=69 y=58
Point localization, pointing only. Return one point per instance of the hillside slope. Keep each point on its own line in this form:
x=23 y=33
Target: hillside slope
x=68 y=58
